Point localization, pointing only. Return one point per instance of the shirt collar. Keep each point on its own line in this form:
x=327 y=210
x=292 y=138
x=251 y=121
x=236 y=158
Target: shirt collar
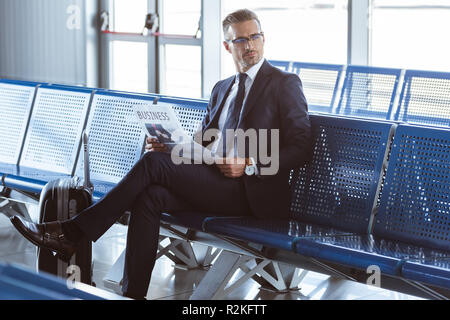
x=253 y=71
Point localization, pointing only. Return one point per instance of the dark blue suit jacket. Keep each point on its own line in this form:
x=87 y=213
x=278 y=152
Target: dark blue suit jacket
x=275 y=101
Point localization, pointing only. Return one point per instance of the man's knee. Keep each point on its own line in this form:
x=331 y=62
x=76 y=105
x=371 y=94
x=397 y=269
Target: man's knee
x=151 y=202
x=157 y=160
x=154 y=156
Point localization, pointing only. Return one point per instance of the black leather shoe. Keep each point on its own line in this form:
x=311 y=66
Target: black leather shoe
x=46 y=235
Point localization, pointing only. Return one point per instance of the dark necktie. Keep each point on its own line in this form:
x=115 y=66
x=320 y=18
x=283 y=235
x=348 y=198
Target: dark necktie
x=234 y=111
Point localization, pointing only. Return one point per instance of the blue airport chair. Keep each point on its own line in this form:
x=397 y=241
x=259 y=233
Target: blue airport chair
x=282 y=65
x=410 y=233
x=369 y=92
x=320 y=84
x=425 y=98
x=332 y=195
x=190 y=112
x=414 y=206
x=16 y=101
x=116 y=138
x=53 y=138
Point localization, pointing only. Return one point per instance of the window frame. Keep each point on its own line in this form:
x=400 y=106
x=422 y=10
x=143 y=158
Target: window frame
x=210 y=63
x=358 y=50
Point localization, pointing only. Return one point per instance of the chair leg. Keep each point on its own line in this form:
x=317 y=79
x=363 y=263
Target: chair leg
x=113 y=280
x=279 y=277
x=213 y=284
x=10 y=208
x=221 y=280
x=179 y=251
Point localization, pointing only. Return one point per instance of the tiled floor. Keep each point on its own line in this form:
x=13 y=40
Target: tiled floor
x=174 y=284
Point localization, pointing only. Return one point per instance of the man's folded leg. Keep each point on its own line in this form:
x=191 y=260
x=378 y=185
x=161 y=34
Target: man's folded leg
x=202 y=185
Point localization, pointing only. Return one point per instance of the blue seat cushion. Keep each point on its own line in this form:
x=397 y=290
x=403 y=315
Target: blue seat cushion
x=32 y=173
x=362 y=251
x=101 y=188
x=275 y=233
x=436 y=273
x=8 y=169
x=352 y=251
x=30 y=180
x=187 y=219
x=38 y=174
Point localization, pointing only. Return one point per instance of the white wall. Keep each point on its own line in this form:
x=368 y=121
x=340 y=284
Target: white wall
x=49 y=41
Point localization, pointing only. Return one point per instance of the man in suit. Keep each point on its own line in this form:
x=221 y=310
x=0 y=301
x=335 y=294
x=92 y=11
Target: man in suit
x=259 y=96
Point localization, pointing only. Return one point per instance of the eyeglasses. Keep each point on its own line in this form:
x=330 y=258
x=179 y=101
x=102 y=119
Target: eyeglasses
x=242 y=41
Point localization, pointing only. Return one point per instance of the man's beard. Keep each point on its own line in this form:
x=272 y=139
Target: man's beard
x=251 y=61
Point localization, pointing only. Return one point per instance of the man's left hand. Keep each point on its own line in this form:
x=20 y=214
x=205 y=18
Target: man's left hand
x=232 y=167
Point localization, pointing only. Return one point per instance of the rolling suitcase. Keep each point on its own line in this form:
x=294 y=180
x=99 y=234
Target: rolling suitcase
x=63 y=199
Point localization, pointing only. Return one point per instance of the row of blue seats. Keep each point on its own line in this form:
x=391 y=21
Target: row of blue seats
x=412 y=96
x=375 y=193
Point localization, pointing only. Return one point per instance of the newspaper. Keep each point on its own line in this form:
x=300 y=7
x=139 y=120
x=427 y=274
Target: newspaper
x=161 y=122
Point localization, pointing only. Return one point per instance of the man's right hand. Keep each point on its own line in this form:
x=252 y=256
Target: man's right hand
x=152 y=145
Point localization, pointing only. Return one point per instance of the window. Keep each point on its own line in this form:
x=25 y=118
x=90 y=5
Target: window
x=129 y=17
x=182 y=72
x=127 y=50
x=181 y=16
x=411 y=34
x=309 y=31
x=129 y=66
x=180 y=52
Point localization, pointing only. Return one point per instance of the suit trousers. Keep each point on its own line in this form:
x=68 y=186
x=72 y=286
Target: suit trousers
x=155 y=185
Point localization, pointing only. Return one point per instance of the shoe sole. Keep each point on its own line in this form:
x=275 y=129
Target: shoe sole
x=16 y=223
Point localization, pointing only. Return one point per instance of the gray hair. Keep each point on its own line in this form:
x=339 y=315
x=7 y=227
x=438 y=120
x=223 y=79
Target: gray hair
x=239 y=16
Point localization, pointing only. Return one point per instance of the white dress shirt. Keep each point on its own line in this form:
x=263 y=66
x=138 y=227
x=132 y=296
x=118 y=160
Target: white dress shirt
x=251 y=75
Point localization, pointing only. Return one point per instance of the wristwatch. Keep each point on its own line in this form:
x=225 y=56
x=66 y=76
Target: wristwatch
x=250 y=167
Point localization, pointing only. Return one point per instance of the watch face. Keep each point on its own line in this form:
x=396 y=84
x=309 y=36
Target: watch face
x=249 y=170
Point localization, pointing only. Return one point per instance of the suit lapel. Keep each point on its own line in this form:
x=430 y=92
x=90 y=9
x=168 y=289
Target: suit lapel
x=262 y=78
x=221 y=98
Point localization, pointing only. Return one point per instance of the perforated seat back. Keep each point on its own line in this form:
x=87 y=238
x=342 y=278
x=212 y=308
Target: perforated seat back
x=53 y=137
x=320 y=84
x=282 y=65
x=369 y=92
x=190 y=113
x=415 y=200
x=425 y=98
x=16 y=99
x=116 y=138
x=338 y=188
